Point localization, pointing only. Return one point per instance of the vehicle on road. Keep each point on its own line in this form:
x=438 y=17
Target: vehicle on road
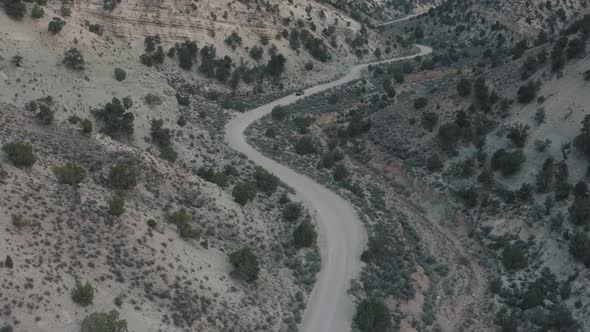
x=299 y=93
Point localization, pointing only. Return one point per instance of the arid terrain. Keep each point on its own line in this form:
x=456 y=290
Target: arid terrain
x=297 y=165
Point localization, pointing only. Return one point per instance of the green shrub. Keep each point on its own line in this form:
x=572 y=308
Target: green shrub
x=265 y=181
x=233 y=40
x=330 y=158
x=18 y=221
x=73 y=119
x=579 y=247
x=292 y=211
x=15 y=9
x=163 y=138
x=37 y=11
x=65 y=10
x=305 y=145
x=284 y=198
x=115 y=120
x=372 y=315
x=151 y=42
x=514 y=257
x=508 y=162
x=187 y=54
x=104 y=322
x=96 y=29
x=86 y=125
x=448 y=134
x=420 y=103
x=19 y=154
x=340 y=173
x=83 y=294
x=127 y=102
x=17 y=60
x=481 y=90
x=256 y=53
x=8 y=263
x=70 y=173
x=182 y=100
x=304 y=235
x=576 y=48
x=181 y=121
x=464 y=87
x=153 y=99
x=244 y=192
x=429 y=120
x=118 y=301
x=276 y=64
x=219 y=178
x=168 y=153
x=279 y=113
x=532 y=297
x=579 y=211
x=544 y=178
x=109 y=5
x=120 y=74
x=45 y=115
x=146 y=60
x=124 y=175
x=270 y=132
x=179 y=217
x=182 y=219
x=582 y=140
x=246 y=266
x=518 y=134
x=526 y=93
x=434 y=164
x=73 y=59
x=55 y=25
x=152 y=223
x=117 y=204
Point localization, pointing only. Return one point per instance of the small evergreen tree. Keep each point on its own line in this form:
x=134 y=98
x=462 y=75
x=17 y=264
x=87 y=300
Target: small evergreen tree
x=55 y=25
x=246 y=266
x=244 y=192
x=15 y=9
x=120 y=74
x=117 y=204
x=83 y=294
x=545 y=176
x=265 y=181
x=514 y=257
x=292 y=211
x=372 y=315
x=464 y=87
x=37 y=11
x=104 y=322
x=304 y=235
x=73 y=59
x=20 y=154
x=124 y=175
x=8 y=262
x=579 y=211
x=70 y=173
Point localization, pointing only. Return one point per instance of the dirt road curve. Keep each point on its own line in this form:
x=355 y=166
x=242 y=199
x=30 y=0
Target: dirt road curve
x=342 y=236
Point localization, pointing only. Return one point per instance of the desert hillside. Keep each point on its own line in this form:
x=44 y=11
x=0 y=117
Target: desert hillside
x=470 y=164
x=123 y=206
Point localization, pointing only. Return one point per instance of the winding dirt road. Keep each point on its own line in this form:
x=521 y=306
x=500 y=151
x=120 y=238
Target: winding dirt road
x=342 y=236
